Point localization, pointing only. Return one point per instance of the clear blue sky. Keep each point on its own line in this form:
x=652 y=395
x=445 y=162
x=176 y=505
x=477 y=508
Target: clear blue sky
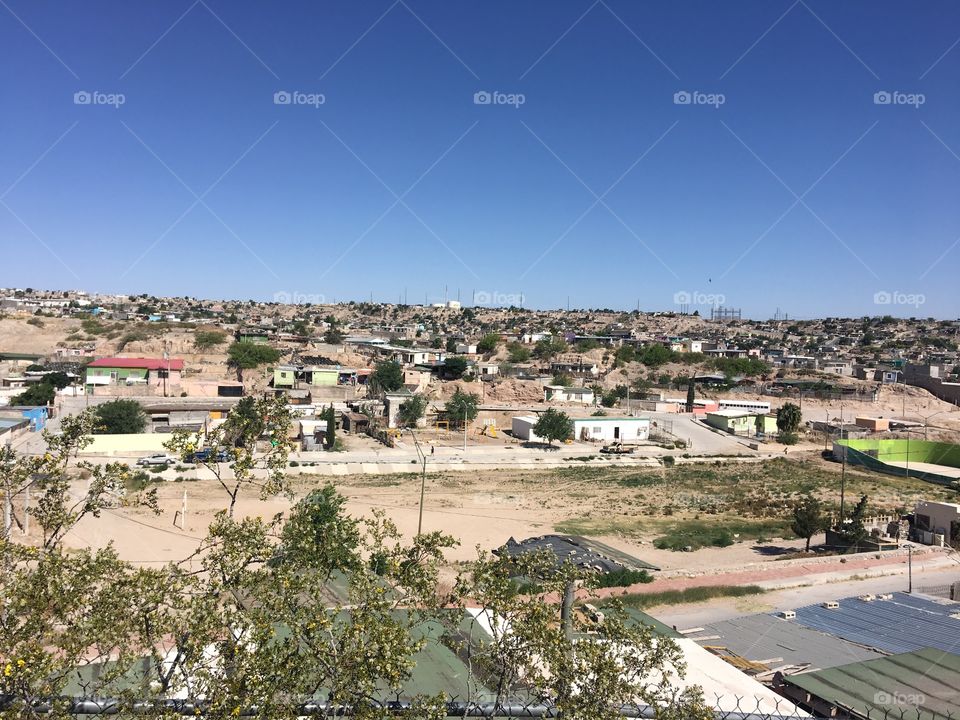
x=399 y=181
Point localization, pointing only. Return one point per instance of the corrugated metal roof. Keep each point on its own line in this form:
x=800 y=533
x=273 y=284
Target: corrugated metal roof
x=924 y=685
x=905 y=623
x=764 y=637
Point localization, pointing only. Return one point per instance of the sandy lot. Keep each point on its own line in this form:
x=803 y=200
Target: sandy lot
x=623 y=507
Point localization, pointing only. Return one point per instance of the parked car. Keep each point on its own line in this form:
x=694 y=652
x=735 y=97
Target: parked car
x=159 y=459
x=206 y=455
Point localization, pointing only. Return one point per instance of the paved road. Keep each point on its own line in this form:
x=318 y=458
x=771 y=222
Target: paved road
x=934 y=569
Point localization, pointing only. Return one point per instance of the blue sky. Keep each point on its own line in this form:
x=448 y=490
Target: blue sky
x=783 y=182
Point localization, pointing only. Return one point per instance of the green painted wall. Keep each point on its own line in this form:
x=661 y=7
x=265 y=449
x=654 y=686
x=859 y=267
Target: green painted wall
x=122 y=373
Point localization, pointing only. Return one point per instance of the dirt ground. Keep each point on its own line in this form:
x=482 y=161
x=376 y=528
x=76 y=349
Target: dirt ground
x=626 y=509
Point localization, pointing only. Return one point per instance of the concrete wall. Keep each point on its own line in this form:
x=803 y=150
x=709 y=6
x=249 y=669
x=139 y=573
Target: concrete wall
x=128 y=444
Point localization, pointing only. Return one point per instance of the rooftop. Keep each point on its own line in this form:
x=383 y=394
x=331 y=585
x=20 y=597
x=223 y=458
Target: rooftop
x=138 y=363
x=920 y=685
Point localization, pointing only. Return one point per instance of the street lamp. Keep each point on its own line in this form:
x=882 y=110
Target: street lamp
x=423 y=478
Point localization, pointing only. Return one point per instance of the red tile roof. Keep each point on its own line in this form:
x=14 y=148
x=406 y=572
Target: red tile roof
x=147 y=363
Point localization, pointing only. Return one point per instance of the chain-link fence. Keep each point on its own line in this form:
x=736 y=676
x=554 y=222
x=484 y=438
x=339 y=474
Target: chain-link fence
x=726 y=708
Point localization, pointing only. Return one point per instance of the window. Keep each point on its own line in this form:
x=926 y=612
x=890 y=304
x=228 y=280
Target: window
x=597 y=430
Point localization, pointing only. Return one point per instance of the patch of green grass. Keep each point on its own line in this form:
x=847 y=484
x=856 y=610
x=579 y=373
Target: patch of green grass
x=623 y=578
x=603 y=525
x=696 y=534
x=690 y=595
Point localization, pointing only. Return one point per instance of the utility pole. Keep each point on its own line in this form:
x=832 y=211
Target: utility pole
x=423 y=479
x=843 y=473
x=464 y=429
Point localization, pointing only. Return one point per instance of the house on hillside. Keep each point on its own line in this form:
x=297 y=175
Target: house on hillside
x=561 y=393
x=150 y=372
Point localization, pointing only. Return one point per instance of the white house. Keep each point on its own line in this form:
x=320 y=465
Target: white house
x=466 y=349
x=602 y=429
x=561 y=393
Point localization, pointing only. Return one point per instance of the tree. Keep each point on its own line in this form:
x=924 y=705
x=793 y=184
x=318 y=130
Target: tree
x=206 y=339
x=246 y=355
x=553 y=425
x=587 y=668
x=549 y=348
x=41 y=393
x=656 y=355
x=488 y=343
x=119 y=417
x=518 y=353
x=330 y=437
x=334 y=335
x=234 y=443
x=691 y=395
x=387 y=376
x=412 y=410
x=562 y=379
x=808 y=519
x=266 y=613
x=851 y=529
x=58 y=379
x=454 y=367
x=788 y=418
x=463 y=406
x=625 y=354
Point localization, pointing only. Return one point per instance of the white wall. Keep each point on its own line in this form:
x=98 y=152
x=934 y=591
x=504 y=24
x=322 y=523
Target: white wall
x=630 y=429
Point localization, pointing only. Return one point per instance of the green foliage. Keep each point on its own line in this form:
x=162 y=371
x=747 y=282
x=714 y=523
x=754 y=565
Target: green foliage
x=623 y=578
x=580 y=666
x=412 y=410
x=41 y=393
x=691 y=395
x=788 y=438
x=454 y=367
x=246 y=355
x=587 y=345
x=463 y=405
x=852 y=530
x=808 y=518
x=206 y=339
x=333 y=335
x=119 y=417
x=789 y=418
x=330 y=437
x=518 y=353
x=625 y=354
x=387 y=376
x=655 y=355
x=562 y=379
x=488 y=343
x=690 y=595
x=553 y=425
x=549 y=348
x=36 y=322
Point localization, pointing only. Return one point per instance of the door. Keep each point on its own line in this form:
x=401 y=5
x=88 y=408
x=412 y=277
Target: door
x=616 y=432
